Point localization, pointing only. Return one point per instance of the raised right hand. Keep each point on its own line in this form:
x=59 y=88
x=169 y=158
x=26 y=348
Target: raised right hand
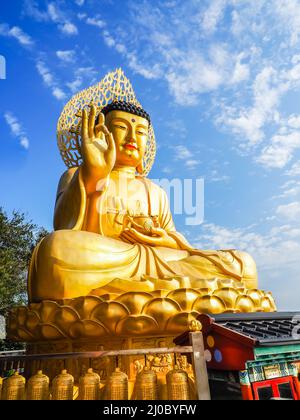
x=97 y=147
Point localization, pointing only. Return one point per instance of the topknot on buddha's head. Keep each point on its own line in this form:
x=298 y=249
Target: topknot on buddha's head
x=126 y=107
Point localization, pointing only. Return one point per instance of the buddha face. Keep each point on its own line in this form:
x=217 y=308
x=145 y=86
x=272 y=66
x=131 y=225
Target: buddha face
x=130 y=134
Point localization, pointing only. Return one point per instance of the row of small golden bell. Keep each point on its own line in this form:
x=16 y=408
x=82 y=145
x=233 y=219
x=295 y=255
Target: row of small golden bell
x=178 y=384
x=117 y=386
x=38 y=387
x=62 y=386
x=146 y=385
x=13 y=387
x=89 y=386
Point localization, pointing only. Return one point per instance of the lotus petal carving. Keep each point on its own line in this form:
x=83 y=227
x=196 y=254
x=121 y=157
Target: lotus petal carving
x=88 y=329
x=84 y=305
x=51 y=332
x=135 y=302
x=111 y=313
x=244 y=303
x=180 y=321
x=209 y=304
x=137 y=325
x=166 y=312
x=228 y=295
x=161 y=309
x=184 y=297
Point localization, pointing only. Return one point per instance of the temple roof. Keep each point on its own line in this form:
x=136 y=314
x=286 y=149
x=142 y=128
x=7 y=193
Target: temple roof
x=263 y=328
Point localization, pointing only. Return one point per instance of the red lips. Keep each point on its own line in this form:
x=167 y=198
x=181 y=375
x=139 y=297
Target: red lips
x=130 y=146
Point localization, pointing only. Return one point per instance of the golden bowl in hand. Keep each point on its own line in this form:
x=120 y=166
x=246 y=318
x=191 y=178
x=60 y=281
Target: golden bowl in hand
x=143 y=224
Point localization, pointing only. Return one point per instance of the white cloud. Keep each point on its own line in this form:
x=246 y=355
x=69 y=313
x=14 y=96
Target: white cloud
x=49 y=80
x=81 y=74
x=176 y=127
x=108 y=39
x=250 y=123
x=271 y=250
x=276 y=253
x=52 y=13
x=236 y=23
x=182 y=152
x=24 y=142
x=294 y=121
x=267 y=91
x=75 y=85
x=68 y=28
x=290 y=189
x=191 y=163
x=133 y=63
x=98 y=22
x=289 y=13
x=196 y=76
x=16 y=129
x=87 y=72
x=31 y=9
x=289 y=211
x=213 y=15
x=138 y=67
x=45 y=73
x=15 y=126
x=58 y=93
x=79 y=2
x=295 y=58
x=215 y=176
x=280 y=151
x=67 y=56
x=17 y=33
x=294 y=170
x=241 y=73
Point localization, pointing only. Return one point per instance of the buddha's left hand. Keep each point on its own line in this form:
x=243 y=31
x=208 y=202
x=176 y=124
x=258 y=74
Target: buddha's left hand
x=161 y=238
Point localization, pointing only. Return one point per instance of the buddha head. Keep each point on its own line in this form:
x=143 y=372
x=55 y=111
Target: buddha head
x=129 y=125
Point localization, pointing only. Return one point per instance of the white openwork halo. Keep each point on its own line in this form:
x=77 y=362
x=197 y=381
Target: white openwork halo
x=114 y=86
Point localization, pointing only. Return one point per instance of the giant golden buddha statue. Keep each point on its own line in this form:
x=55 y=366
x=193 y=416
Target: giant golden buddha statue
x=115 y=274
x=113 y=229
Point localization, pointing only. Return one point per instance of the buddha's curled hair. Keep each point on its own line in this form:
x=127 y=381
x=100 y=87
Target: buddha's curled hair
x=126 y=107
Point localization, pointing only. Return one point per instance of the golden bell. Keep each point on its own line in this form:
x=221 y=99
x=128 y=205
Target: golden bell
x=146 y=385
x=178 y=384
x=117 y=386
x=62 y=386
x=89 y=386
x=38 y=387
x=14 y=387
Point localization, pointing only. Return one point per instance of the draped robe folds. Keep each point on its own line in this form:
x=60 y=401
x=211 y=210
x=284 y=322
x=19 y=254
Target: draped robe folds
x=85 y=251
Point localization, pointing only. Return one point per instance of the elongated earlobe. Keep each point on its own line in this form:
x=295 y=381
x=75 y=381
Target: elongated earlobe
x=140 y=168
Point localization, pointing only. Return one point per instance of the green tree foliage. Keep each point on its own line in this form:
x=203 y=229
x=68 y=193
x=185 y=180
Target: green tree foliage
x=18 y=237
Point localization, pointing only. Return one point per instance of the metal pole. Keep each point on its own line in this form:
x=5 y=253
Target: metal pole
x=199 y=365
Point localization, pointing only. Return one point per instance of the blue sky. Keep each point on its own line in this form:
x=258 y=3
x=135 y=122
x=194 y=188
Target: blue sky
x=221 y=80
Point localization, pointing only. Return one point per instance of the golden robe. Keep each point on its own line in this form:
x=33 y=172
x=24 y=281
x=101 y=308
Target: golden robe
x=85 y=251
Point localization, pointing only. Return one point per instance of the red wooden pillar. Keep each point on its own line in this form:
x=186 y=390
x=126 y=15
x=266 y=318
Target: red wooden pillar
x=294 y=372
x=246 y=388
